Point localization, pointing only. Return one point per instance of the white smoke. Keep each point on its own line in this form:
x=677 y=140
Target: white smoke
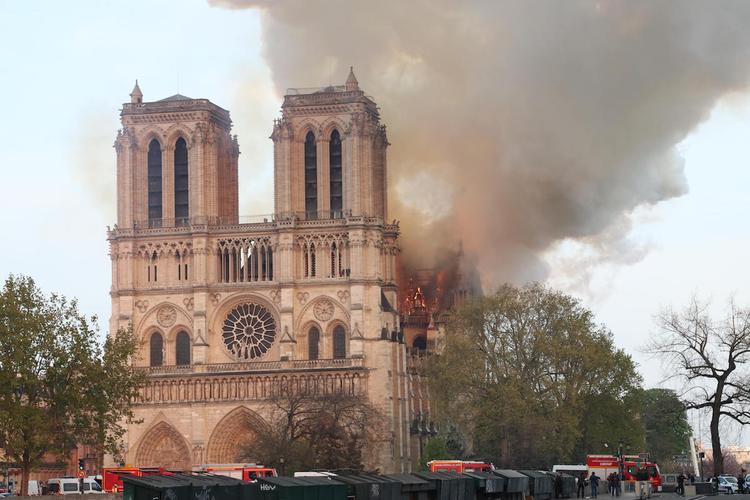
x=547 y=120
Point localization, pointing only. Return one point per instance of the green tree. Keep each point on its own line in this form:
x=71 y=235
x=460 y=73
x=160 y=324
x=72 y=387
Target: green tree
x=524 y=371
x=435 y=449
x=666 y=424
x=59 y=384
x=611 y=421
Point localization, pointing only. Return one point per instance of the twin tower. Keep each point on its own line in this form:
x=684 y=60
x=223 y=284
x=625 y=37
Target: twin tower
x=231 y=312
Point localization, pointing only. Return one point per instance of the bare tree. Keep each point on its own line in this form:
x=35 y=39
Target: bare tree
x=710 y=357
x=322 y=431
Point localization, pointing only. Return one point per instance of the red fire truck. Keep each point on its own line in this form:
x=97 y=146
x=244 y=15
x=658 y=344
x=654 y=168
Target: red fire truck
x=246 y=472
x=458 y=466
x=604 y=465
x=112 y=477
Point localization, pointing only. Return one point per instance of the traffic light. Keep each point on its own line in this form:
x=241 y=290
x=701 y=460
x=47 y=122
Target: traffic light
x=81 y=465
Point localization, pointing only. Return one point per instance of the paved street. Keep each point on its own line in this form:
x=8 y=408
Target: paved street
x=674 y=496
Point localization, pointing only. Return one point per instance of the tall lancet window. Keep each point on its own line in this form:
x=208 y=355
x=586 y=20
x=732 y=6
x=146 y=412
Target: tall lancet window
x=313 y=340
x=182 y=349
x=181 y=204
x=154 y=183
x=337 y=194
x=157 y=349
x=311 y=177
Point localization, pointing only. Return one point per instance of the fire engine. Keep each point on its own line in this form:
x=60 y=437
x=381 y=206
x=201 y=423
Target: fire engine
x=246 y=472
x=604 y=465
x=458 y=466
x=112 y=476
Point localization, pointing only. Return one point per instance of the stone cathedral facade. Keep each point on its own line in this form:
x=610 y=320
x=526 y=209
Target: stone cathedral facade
x=230 y=311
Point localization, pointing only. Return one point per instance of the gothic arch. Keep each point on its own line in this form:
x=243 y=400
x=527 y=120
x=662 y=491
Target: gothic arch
x=150 y=133
x=233 y=432
x=330 y=330
x=163 y=446
x=149 y=321
x=226 y=305
x=329 y=126
x=176 y=131
x=171 y=334
x=305 y=126
x=305 y=314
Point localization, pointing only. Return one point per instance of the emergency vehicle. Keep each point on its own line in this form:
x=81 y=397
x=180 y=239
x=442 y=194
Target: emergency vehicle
x=246 y=472
x=459 y=466
x=112 y=476
x=604 y=465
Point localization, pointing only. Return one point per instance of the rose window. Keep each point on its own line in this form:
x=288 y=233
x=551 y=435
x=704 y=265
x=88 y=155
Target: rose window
x=249 y=331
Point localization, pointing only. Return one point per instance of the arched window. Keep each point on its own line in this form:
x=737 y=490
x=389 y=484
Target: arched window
x=312 y=261
x=181 y=203
x=182 y=349
x=311 y=177
x=154 y=184
x=339 y=342
x=152 y=275
x=420 y=343
x=313 y=341
x=333 y=260
x=157 y=349
x=337 y=193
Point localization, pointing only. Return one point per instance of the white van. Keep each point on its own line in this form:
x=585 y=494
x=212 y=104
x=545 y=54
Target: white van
x=69 y=486
x=315 y=474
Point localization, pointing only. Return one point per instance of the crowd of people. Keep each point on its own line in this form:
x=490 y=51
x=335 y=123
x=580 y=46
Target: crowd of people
x=614 y=484
x=642 y=484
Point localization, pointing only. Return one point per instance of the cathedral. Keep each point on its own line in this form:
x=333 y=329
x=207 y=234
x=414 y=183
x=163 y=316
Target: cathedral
x=230 y=310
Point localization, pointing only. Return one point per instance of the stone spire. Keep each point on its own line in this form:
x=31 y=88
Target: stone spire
x=136 y=96
x=351 y=81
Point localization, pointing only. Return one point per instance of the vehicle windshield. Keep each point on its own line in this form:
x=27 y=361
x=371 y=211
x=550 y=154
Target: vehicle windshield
x=730 y=479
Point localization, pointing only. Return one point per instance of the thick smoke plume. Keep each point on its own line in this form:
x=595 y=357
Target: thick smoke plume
x=516 y=125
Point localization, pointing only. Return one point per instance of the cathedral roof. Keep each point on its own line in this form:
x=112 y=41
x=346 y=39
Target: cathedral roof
x=176 y=97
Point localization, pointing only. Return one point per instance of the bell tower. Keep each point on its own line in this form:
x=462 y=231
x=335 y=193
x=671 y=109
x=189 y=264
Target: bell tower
x=176 y=163
x=330 y=154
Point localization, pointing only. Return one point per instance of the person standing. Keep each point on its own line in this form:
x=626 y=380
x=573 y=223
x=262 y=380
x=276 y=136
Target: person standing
x=581 y=491
x=642 y=477
x=681 y=484
x=594 y=480
x=616 y=483
x=741 y=483
x=559 y=485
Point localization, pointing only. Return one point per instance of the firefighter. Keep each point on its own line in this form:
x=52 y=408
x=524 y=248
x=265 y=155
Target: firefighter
x=581 y=491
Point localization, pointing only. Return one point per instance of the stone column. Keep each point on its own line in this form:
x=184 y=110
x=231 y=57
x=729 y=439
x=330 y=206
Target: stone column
x=196 y=178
